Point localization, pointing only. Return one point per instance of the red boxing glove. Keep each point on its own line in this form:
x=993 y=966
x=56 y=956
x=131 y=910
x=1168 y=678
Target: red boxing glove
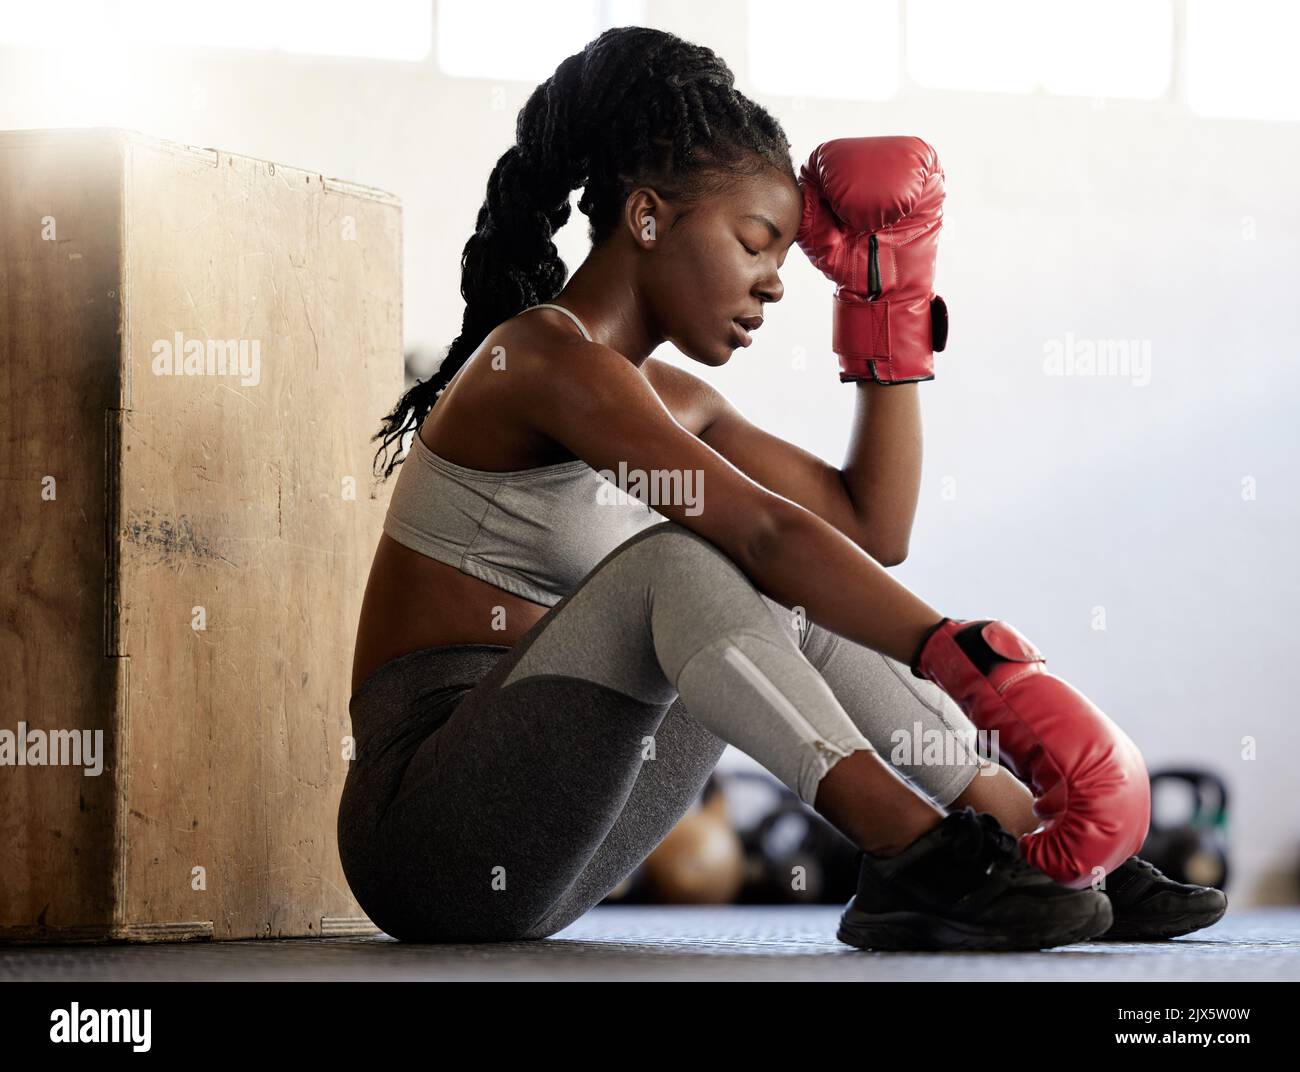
x=1092 y=788
x=872 y=210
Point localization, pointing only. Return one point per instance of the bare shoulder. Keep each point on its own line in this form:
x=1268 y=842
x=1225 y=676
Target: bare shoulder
x=539 y=332
x=546 y=349
x=516 y=365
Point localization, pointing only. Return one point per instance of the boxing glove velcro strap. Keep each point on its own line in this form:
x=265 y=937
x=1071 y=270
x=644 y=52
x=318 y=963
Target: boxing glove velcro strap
x=860 y=332
x=988 y=643
x=889 y=342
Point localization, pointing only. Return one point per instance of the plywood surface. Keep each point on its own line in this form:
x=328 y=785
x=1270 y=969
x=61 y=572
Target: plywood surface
x=227 y=531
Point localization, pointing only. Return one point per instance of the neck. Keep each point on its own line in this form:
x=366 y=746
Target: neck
x=604 y=296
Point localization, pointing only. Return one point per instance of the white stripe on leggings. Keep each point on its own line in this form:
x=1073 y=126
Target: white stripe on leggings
x=778 y=700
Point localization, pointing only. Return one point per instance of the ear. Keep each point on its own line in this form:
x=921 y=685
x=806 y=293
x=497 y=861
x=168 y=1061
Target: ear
x=646 y=216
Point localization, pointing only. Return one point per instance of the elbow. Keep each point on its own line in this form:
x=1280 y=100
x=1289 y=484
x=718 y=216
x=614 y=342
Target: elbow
x=891 y=559
x=886 y=553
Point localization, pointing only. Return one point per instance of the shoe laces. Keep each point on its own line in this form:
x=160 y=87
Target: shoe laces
x=1148 y=867
x=981 y=836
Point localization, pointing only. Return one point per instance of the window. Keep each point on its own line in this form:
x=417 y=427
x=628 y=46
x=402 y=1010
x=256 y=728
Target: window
x=523 y=40
x=1105 y=48
x=824 y=48
x=1241 y=59
x=381 y=29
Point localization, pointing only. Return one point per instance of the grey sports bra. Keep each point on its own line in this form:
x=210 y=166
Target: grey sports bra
x=534 y=532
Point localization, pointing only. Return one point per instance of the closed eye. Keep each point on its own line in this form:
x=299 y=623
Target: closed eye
x=751 y=252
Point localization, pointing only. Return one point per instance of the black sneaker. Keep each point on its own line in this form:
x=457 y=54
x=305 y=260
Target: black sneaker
x=1148 y=905
x=963 y=885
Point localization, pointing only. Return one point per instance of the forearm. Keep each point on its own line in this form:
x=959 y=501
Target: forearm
x=882 y=469
x=801 y=561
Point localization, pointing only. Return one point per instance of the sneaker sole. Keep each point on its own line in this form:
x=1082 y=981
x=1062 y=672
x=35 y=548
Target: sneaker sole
x=916 y=931
x=1165 y=927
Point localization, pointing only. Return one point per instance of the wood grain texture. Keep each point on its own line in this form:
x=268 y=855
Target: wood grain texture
x=241 y=516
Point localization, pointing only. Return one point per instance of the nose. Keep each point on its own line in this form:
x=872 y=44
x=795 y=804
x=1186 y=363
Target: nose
x=771 y=289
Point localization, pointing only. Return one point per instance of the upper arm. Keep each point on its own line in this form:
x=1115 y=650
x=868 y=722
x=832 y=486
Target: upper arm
x=795 y=473
x=598 y=405
x=782 y=466
x=785 y=468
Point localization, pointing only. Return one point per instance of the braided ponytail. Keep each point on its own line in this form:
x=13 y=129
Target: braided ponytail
x=635 y=107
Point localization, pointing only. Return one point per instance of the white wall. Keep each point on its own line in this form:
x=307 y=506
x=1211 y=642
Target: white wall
x=1044 y=497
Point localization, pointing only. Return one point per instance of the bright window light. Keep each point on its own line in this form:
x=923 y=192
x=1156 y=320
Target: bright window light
x=379 y=29
x=846 y=49
x=1106 y=48
x=984 y=46
x=1241 y=59
x=523 y=40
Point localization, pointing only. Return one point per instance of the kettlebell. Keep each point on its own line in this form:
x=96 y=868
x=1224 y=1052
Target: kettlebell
x=1194 y=850
x=701 y=861
x=793 y=855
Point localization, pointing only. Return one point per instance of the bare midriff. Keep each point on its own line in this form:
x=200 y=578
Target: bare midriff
x=414 y=602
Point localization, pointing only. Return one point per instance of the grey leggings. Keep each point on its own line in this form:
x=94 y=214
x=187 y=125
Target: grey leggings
x=497 y=793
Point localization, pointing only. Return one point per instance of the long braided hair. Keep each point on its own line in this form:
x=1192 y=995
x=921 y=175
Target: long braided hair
x=636 y=107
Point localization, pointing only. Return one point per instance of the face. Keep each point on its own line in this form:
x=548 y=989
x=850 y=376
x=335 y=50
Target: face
x=716 y=262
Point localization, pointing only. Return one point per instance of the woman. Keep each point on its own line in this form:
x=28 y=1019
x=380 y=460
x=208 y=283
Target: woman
x=540 y=715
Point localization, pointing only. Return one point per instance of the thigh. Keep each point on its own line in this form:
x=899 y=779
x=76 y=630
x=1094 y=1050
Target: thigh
x=667 y=784
x=505 y=808
x=510 y=800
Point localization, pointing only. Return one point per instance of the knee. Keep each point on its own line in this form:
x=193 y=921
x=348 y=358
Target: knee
x=672 y=547
x=671 y=534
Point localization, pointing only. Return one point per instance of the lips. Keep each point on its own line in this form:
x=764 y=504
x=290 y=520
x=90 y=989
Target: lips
x=745 y=326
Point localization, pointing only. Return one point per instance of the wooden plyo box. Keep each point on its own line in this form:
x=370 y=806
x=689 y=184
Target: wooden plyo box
x=197 y=348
